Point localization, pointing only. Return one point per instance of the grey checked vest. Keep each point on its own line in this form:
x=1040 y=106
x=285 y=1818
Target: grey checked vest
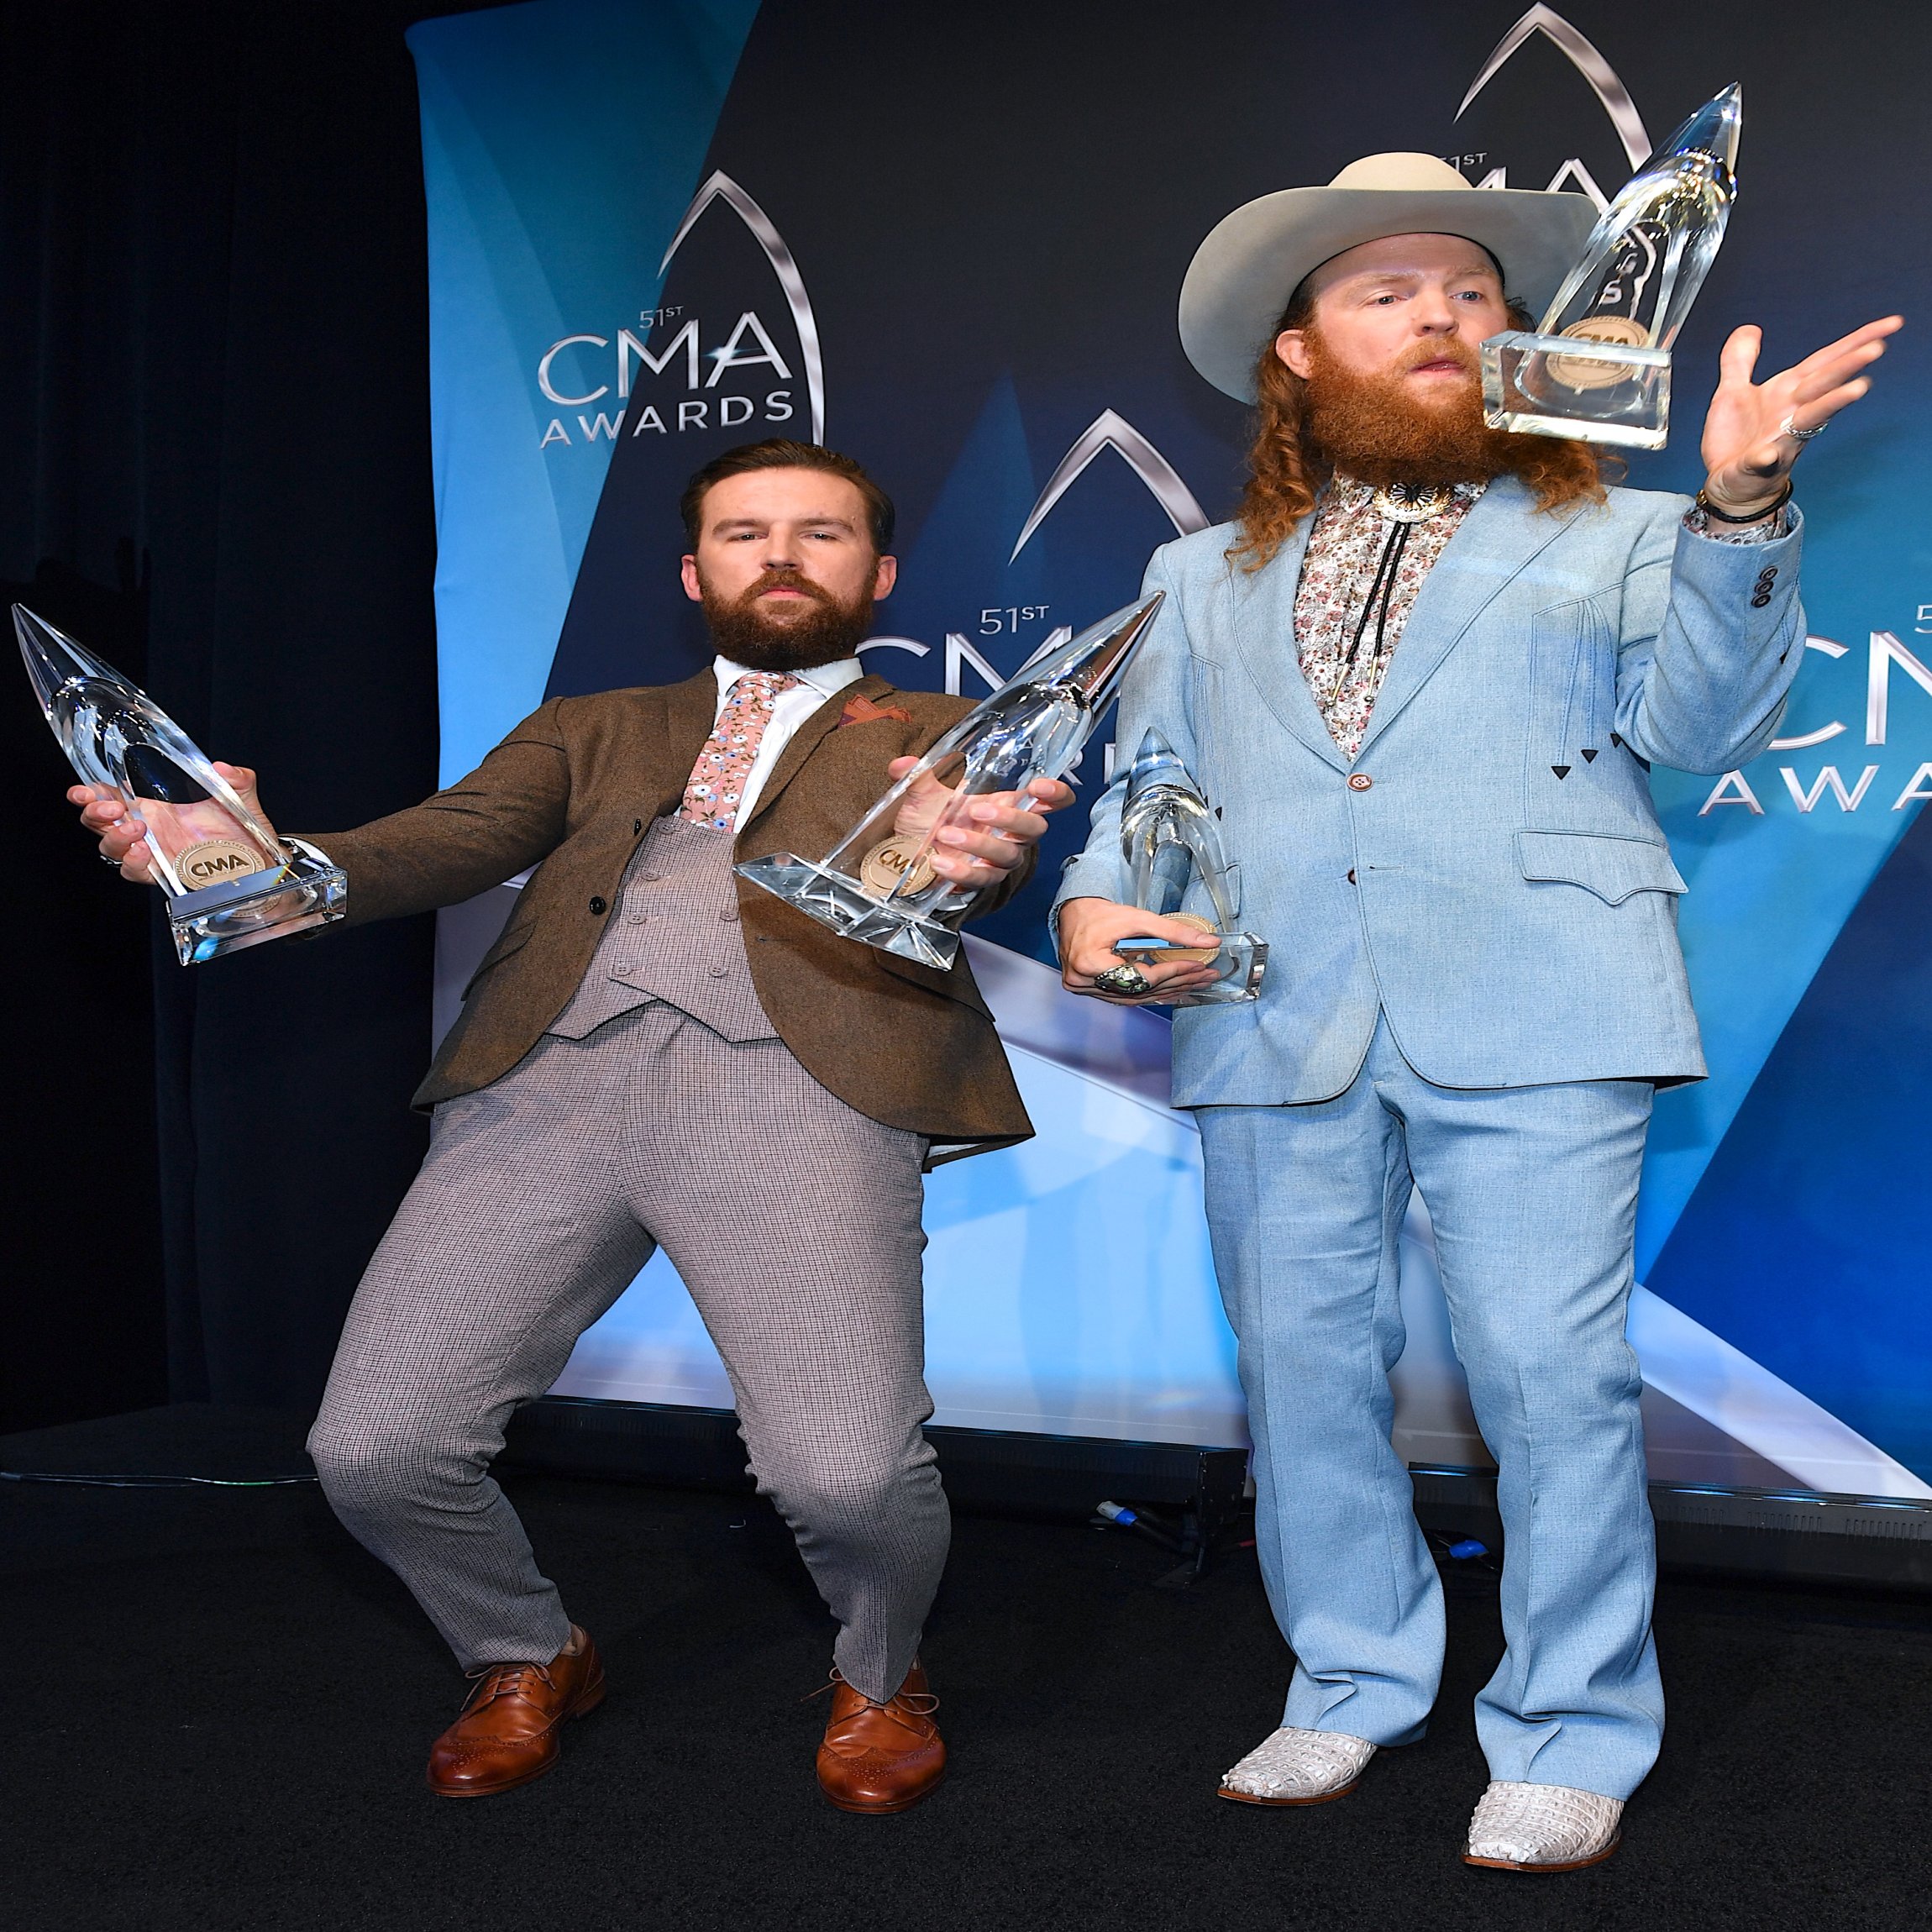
x=673 y=935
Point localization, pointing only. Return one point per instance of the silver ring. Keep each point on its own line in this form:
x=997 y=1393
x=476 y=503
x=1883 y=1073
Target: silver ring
x=107 y=859
x=1129 y=981
x=1797 y=435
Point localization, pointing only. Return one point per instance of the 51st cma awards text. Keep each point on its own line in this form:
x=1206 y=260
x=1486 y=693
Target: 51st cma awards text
x=749 y=345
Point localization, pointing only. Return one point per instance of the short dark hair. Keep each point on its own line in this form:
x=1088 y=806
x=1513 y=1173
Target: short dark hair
x=784 y=452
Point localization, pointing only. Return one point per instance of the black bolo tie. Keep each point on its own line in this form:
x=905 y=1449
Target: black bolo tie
x=1403 y=507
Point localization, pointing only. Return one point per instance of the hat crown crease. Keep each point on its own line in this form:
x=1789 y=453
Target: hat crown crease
x=1403 y=172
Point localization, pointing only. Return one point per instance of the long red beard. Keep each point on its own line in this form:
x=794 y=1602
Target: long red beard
x=1374 y=428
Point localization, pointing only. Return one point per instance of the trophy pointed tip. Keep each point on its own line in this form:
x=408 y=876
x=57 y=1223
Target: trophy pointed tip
x=1094 y=662
x=1713 y=129
x=36 y=635
x=38 y=639
x=1131 y=619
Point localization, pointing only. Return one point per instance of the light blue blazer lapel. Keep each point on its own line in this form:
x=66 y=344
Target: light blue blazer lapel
x=1262 y=621
x=1498 y=540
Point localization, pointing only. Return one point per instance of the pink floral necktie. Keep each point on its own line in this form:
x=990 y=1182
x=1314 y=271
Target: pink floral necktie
x=717 y=780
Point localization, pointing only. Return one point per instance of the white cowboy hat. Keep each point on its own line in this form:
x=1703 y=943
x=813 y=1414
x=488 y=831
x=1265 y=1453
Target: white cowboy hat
x=1243 y=274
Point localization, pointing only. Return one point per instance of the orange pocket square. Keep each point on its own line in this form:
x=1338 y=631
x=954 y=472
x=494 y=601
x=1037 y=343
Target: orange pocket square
x=863 y=711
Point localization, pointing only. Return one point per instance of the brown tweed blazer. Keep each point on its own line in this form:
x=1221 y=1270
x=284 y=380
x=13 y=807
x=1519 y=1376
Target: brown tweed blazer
x=572 y=789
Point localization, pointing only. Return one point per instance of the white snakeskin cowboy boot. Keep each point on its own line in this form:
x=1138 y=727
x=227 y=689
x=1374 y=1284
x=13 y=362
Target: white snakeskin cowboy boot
x=1542 y=1828
x=1298 y=1767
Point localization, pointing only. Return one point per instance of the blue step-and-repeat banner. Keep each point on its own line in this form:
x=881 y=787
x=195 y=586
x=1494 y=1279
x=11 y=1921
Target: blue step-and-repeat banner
x=949 y=239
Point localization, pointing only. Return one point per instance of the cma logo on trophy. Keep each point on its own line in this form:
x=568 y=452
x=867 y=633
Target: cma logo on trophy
x=677 y=369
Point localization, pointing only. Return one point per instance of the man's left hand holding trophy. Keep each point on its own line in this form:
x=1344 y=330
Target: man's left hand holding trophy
x=123 y=837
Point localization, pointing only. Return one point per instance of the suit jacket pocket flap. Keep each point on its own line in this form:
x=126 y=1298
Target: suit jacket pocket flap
x=1611 y=867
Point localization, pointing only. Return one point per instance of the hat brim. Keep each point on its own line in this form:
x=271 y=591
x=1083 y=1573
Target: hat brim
x=1243 y=274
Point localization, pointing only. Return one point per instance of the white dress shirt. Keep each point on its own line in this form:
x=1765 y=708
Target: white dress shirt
x=789 y=711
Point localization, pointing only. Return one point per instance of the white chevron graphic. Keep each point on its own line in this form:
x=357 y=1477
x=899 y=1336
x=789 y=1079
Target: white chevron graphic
x=1582 y=54
x=721 y=188
x=1110 y=430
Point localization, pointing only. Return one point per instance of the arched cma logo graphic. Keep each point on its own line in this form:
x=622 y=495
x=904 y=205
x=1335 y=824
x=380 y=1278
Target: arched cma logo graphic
x=721 y=188
x=1110 y=430
x=1604 y=82
x=568 y=375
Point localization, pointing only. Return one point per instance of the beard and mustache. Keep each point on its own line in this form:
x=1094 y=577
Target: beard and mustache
x=1377 y=429
x=820 y=634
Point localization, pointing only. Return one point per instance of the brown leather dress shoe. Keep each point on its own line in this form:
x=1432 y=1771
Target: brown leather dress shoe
x=507 y=1732
x=881 y=1757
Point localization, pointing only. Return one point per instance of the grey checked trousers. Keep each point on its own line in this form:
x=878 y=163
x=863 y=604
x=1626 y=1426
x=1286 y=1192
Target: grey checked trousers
x=794 y=1222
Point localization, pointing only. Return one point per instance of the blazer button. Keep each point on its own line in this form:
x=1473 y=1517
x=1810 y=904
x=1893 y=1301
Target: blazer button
x=1359 y=781
x=1352 y=875
x=598 y=903
x=636 y=826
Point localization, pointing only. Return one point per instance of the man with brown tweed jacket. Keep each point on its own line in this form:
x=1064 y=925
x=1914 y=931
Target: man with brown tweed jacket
x=655 y=1053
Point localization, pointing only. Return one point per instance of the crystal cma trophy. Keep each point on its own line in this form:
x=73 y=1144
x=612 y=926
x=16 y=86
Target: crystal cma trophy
x=877 y=885
x=1168 y=838
x=1599 y=368
x=230 y=881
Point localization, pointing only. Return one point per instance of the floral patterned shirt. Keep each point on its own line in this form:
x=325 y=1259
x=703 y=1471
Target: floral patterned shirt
x=1339 y=577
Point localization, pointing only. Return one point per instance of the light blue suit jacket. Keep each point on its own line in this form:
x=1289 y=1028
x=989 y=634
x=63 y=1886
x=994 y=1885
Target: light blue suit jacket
x=1501 y=887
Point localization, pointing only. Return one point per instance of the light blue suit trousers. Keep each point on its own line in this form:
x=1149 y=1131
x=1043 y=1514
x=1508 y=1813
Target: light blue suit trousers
x=1533 y=1193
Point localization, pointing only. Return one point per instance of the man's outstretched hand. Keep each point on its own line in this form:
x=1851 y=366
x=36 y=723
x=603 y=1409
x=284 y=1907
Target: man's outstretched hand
x=996 y=832
x=1747 y=451
x=119 y=832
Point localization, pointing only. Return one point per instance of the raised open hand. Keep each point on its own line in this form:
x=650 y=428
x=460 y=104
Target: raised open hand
x=1748 y=447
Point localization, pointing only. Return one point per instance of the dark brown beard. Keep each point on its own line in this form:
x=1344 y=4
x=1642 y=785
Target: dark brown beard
x=828 y=631
x=1374 y=428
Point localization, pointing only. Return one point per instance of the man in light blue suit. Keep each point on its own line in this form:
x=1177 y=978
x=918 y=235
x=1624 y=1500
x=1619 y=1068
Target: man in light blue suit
x=1423 y=675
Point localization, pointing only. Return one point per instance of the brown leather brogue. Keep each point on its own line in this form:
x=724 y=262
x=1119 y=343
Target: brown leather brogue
x=506 y=1734
x=881 y=1757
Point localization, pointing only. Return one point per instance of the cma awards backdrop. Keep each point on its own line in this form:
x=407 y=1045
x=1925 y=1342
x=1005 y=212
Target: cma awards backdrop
x=659 y=228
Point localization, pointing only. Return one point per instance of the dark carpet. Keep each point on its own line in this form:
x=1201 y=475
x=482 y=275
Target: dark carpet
x=217 y=1710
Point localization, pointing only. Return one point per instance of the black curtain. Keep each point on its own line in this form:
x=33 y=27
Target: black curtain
x=214 y=466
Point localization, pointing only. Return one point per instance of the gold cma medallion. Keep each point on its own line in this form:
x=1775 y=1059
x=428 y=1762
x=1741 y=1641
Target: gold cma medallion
x=892 y=866
x=1581 y=372
x=1197 y=955
x=210 y=860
